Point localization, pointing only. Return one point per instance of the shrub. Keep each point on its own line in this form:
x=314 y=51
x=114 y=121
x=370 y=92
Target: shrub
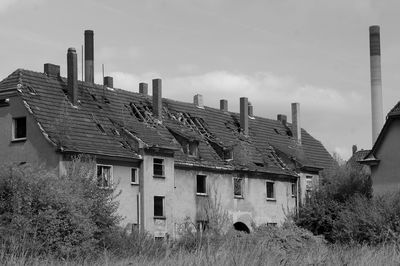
x=64 y=216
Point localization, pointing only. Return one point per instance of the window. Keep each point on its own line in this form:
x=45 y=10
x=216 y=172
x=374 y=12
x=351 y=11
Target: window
x=193 y=149
x=309 y=182
x=158 y=167
x=19 y=128
x=228 y=154
x=238 y=187
x=270 y=190
x=4 y=102
x=159 y=206
x=294 y=189
x=201 y=185
x=202 y=226
x=134 y=176
x=104 y=176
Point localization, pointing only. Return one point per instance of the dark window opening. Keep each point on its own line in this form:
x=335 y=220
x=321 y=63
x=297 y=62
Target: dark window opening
x=158 y=206
x=158 y=167
x=134 y=176
x=239 y=226
x=4 y=102
x=19 y=128
x=104 y=177
x=238 y=187
x=193 y=149
x=228 y=154
x=259 y=164
x=201 y=184
x=270 y=190
x=294 y=189
x=202 y=226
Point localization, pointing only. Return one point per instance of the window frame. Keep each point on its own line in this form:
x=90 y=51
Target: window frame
x=163 y=207
x=136 y=182
x=111 y=181
x=293 y=186
x=14 y=129
x=237 y=196
x=163 y=167
x=273 y=198
x=204 y=186
x=193 y=149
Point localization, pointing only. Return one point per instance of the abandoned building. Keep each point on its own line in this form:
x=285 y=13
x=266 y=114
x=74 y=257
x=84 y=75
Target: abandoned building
x=169 y=158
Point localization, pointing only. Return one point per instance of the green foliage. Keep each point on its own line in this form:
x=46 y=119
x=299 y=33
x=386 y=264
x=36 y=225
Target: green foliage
x=64 y=216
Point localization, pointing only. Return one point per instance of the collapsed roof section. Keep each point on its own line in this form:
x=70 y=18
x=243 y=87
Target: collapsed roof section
x=115 y=122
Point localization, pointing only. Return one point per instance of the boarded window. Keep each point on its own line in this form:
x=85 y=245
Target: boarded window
x=238 y=187
x=19 y=128
x=158 y=167
x=270 y=189
x=104 y=176
x=201 y=184
x=158 y=206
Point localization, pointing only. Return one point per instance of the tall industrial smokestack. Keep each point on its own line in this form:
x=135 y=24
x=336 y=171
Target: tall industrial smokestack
x=89 y=56
x=376 y=81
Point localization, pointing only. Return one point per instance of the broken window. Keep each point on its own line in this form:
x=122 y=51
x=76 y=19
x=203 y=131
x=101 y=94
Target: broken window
x=104 y=176
x=202 y=225
x=193 y=149
x=238 y=187
x=4 y=102
x=201 y=184
x=159 y=206
x=158 y=167
x=19 y=128
x=270 y=187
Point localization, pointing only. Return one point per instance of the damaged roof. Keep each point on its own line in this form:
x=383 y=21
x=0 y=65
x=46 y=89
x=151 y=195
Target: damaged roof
x=116 y=122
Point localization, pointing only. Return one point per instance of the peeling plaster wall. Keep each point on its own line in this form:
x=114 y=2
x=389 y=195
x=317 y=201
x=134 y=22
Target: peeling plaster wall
x=254 y=203
x=385 y=175
x=35 y=149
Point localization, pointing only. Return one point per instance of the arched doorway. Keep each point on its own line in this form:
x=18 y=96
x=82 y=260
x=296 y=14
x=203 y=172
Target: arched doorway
x=239 y=226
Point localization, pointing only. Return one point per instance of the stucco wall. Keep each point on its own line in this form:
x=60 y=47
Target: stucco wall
x=35 y=149
x=386 y=175
x=152 y=186
x=253 y=207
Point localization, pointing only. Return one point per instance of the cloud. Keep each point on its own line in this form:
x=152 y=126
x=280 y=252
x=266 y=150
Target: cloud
x=6 y=4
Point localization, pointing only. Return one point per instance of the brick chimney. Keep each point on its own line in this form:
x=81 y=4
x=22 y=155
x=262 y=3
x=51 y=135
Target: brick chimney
x=223 y=105
x=296 y=127
x=51 y=70
x=244 y=115
x=89 y=56
x=108 y=81
x=282 y=118
x=354 y=148
x=143 y=88
x=72 y=72
x=198 y=100
x=157 y=98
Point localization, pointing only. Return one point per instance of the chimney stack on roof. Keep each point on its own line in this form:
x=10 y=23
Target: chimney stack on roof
x=157 y=98
x=223 y=105
x=354 y=148
x=52 y=70
x=244 y=115
x=108 y=81
x=72 y=69
x=89 y=56
x=198 y=100
x=376 y=81
x=282 y=118
x=296 y=127
x=250 y=110
x=143 y=88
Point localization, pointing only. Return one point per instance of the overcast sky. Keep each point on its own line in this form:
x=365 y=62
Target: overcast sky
x=272 y=51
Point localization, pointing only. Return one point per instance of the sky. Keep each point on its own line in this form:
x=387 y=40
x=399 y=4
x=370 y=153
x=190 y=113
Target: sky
x=274 y=52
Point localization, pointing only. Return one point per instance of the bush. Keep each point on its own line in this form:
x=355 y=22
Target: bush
x=45 y=213
x=324 y=208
